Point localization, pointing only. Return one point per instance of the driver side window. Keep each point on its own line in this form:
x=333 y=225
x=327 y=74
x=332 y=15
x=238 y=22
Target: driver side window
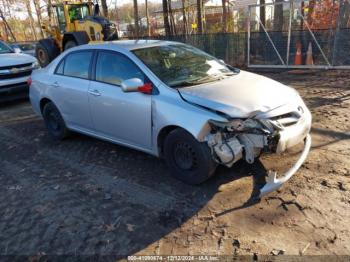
x=113 y=68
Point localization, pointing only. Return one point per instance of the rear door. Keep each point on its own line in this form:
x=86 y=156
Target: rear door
x=121 y=116
x=71 y=83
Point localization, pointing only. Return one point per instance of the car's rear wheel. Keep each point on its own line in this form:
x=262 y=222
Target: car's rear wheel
x=188 y=160
x=54 y=122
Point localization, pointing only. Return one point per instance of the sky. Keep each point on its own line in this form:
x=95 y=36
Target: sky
x=22 y=14
x=111 y=4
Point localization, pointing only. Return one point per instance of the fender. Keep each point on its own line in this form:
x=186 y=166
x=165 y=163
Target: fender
x=80 y=37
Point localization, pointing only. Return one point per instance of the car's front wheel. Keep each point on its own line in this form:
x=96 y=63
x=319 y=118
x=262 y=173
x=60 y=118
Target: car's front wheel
x=54 y=122
x=188 y=160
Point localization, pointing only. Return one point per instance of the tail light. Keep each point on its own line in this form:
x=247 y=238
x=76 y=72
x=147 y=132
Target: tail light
x=29 y=81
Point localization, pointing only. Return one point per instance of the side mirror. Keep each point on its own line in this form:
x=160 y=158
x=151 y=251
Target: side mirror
x=136 y=85
x=17 y=50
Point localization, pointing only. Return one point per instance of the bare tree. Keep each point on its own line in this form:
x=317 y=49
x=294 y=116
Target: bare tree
x=184 y=17
x=31 y=19
x=38 y=14
x=166 y=17
x=262 y=15
x=136 y=18
x=49 y=10
x=147 y=18
x=172 y=20
x=224 y=16
x=104 y=8
x=278 y=16
x=200 y=16
x=302 y=13
x=344 y=13
x=7 y=28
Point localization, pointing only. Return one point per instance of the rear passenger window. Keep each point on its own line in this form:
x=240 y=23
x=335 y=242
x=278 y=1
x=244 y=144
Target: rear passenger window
x=77 y=64
x=113 y=68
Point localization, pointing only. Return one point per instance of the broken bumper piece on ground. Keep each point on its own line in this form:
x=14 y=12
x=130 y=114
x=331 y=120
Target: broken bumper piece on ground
x=273 y=183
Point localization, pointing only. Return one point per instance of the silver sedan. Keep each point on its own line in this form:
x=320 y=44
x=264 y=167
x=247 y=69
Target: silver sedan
x=173 y=101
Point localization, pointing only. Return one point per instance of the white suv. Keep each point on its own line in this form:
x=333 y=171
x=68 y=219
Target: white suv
x=15 y=69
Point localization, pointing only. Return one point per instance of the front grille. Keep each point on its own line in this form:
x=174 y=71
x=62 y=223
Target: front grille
x=23 y=84
x=15 y=75
x=15 y=66
x=287 y=119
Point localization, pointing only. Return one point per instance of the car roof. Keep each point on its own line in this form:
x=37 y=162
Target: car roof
x=127 y=44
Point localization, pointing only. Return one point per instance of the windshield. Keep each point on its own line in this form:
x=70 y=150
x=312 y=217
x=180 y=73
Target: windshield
x=5 y=48
x=78 y=12
x=183 y=65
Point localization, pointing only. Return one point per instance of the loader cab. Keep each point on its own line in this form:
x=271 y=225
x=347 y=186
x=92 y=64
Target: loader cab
x=70 y=14
x=61 y=20
x=75 y=23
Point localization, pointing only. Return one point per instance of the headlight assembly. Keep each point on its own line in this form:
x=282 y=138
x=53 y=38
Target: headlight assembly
x=236 y=124
x=35 y=65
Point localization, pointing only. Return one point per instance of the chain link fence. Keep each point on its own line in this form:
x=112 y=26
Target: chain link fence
x=289 y=35
x=275 y=41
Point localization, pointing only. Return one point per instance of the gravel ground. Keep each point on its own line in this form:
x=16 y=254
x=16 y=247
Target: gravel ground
x=84 y=196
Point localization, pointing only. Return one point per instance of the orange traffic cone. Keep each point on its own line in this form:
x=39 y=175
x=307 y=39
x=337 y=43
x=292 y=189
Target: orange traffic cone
x=309 y=59
x=298 y=55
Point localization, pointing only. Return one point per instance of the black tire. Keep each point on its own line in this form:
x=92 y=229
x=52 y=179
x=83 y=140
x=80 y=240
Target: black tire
x=42 y=54
x=188 y=160
x=46 y=50
x=70 y=44
x=54 y=122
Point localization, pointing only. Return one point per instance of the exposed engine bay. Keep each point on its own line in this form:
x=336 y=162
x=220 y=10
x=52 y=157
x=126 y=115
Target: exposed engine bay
x=239 y=139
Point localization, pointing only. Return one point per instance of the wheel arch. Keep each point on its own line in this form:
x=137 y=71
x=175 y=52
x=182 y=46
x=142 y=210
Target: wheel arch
x=164 y=132
x=80 y=37
x=43 y=102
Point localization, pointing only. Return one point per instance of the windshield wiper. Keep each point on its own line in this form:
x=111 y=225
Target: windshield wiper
x=234 y=70
x=202 y=80
x=183 y=84
x=209 y=78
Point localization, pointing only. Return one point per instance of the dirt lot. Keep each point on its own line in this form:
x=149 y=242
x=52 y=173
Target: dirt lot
x=85 y=196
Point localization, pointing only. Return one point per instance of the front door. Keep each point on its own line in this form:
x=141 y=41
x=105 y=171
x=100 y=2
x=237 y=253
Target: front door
x=125 y=117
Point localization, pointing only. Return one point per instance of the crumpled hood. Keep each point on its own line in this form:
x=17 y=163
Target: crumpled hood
x=12 y=59
x=241 y=95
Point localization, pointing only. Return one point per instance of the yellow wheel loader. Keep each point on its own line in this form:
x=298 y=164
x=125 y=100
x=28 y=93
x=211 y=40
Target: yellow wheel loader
x=76 y=23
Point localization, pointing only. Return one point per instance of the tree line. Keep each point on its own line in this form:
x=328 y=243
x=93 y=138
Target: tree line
x=39 y=11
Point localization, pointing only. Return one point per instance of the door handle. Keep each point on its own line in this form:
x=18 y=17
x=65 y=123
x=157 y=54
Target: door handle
x=94 y=92
x=55 y=84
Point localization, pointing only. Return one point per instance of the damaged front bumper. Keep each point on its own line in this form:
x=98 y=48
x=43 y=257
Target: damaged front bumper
x=273 y=183
x=248 y=139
